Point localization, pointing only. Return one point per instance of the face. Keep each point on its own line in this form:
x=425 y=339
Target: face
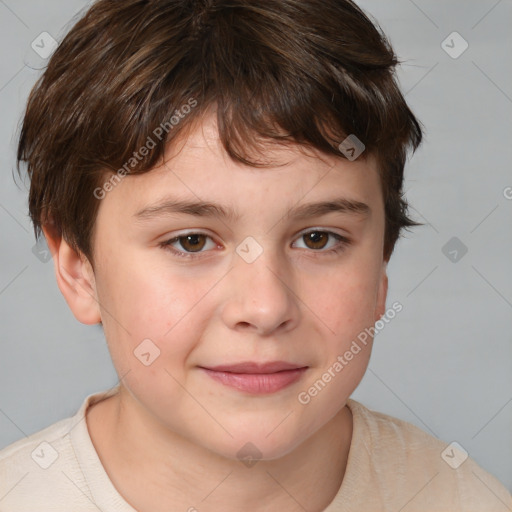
x=258 y=278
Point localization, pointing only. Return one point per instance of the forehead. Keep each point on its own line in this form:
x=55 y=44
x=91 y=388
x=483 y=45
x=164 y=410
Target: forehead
x=197 y=169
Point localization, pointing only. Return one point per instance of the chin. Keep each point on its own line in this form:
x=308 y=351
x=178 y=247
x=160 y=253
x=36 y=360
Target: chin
x=253 y=445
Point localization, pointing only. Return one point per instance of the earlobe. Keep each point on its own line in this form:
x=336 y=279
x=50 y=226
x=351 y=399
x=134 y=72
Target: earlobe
x=75 y=278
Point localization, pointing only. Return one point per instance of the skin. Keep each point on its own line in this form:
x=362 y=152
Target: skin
x=169 y=439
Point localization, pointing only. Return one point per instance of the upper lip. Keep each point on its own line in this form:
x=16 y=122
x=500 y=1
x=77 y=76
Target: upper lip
x=254 y=367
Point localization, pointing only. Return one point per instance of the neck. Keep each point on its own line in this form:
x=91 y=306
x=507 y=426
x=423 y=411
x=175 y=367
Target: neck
x=162 y=470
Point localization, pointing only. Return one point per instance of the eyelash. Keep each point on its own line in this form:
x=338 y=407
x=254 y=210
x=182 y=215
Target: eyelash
x=342 y=244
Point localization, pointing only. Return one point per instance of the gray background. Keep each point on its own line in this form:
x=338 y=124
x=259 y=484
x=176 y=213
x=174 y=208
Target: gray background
x=445 y=362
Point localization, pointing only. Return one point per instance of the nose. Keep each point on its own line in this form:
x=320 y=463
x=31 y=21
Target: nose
x=260 y=297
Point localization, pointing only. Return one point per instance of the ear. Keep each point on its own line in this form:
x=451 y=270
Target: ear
x=380 y=306
x=75 y=278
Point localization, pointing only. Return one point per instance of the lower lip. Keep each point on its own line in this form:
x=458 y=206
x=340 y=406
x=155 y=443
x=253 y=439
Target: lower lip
x=257 y=383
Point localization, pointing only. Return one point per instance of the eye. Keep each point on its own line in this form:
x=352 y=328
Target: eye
x=190 y=242
x=318 y=240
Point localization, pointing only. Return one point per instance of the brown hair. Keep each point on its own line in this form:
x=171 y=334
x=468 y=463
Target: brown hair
x=310 y=72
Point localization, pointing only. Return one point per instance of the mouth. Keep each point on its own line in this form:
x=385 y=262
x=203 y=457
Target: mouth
x=256 y=378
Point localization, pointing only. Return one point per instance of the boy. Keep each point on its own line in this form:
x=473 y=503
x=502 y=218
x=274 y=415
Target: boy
x=220 y=185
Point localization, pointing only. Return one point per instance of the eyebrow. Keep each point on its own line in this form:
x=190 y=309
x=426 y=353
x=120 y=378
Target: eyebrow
x=206 y=209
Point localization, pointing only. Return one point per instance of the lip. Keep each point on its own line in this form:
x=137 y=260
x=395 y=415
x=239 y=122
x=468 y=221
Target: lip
x=254 y=367
x=257 y=378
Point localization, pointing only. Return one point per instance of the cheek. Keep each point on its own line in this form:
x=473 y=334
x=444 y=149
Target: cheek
x=346 y=303
x=148 y=301
x=140 y=303
x=345 y=306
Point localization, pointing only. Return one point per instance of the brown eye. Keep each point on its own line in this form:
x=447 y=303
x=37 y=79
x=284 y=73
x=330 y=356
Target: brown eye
x=189 y=245
x=192 y=243
x=316 y=239
x=322 y=242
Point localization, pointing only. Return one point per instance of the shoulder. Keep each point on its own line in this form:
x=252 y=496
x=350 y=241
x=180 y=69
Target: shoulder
x=41 y=471
x=38 y=448
x=32 y=468
x=410 y=464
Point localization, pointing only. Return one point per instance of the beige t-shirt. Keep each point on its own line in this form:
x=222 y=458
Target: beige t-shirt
x=392 y=466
